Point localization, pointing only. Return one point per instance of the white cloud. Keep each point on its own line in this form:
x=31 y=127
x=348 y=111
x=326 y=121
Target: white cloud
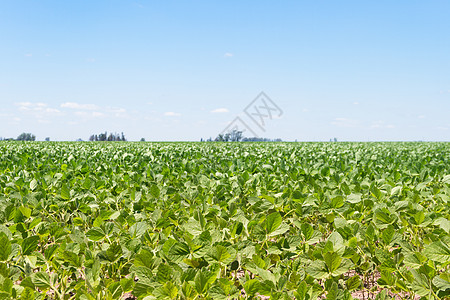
x=344 y=122
x=52 y=110
x=220 y=110
x=89 y=114
x=421 y=117
x=74 y=105
x=117 y=110
x=381 y=125
x=228 y=54
x=38 y=110
x=29 y=55
x=31 y=106
x=171 y=114
x=355 y=103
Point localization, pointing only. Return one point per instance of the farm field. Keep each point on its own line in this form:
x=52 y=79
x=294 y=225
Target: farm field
x=224 y=220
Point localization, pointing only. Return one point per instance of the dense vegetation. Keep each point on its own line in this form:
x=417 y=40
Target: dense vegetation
x=224 y=220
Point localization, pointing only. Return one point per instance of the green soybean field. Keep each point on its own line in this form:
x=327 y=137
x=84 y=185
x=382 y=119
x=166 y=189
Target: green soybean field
x=109 y=220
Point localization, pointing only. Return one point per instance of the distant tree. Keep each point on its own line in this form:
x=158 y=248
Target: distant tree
x=47 y=139
x=142 y=139
x=232 y=136
x=236 y=135
x=26 y=137
x=219 y=138
x=105 y=137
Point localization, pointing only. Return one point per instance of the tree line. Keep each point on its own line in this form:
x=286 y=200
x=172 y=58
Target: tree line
x=238 y=136
x=112 y=137
x=22 y=137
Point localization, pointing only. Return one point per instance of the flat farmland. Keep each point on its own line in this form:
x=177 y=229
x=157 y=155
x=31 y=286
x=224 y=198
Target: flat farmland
x=124 y=220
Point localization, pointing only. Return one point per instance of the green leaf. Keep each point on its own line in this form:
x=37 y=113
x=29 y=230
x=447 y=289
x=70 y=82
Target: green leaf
x=354 y=198
x=177 y=251
x=41 y=280
x=154 y=191
x=388 y=234
x=127 y=284
x=353 y=283
x=272 y=222
x=438 y=252
x=33 y=184
x=337 y=241
x=95 y=234
x=446 y=179
x=420 y=284
x=307 y=231
x=203 y=279
x=138 y=229
x=65 y=192
x=252 y=287
x=30 y=244
x=26 y=212
x=442 y=223
x=332 y=261
x=442 y=282
x=27 y=294
x=302 y=291
x=267 y=275
x=5 y=247
x=164 y=273
x=168 y=290
x=333 y=292
x=112 y=254
x=317 y=269
x=219 y=254
x=280 y=230
x=72 y=258
x=396 y=191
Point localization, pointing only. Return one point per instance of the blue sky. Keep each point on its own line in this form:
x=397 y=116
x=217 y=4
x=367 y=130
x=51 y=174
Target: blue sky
x=183 y=70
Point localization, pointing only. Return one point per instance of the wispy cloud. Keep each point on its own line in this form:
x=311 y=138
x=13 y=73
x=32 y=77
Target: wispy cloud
x=29 y=106
x=344 y=122
x=29 y=55
x=381 y=125
x=228 y=54
x=172 y=114
x=39 y=110
x=89 y=114
x=220 y=110
x=75 y=105
x=355 y=103
x=421 y=117
x=37 y=107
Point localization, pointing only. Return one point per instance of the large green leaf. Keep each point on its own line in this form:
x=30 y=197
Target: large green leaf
x=95 y=234
x=438 y=251
x=30 y=244
x=5 y=247
x=41 y=280
x=272 y=222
